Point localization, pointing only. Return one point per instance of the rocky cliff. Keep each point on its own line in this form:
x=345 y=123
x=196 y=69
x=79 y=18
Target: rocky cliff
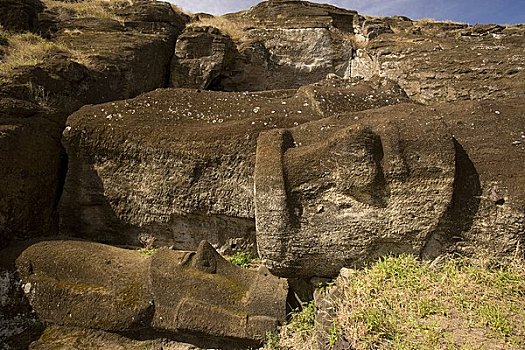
x=313 y=136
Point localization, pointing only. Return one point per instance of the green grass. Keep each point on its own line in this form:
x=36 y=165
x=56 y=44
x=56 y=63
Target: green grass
x=147 y=251
x=402 y=303
x=243 y=259
x=304 y=319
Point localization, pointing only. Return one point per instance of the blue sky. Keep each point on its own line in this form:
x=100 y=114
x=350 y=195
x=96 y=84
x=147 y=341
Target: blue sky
x=470 y=11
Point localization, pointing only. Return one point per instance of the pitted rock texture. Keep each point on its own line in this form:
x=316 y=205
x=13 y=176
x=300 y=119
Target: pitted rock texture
x=17 y=321
x=402 y=179
x=179 y=163
x=194 y=295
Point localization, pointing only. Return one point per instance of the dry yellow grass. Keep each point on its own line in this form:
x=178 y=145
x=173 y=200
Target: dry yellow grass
x=26 y=49
x=235 y=30
x=402 y=303
x=87 y=8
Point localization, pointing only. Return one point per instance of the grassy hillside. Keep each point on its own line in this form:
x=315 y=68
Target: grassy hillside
x=402 y=303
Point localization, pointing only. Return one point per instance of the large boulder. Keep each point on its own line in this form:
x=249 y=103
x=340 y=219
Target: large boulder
x=153 y=17
x=179 y=163
x=110 y=63
x=119 y=55
x=202 y=54
x=193 y=295
x=285 y=14
x=278 y=45
x=290 y=57
x=402 y=179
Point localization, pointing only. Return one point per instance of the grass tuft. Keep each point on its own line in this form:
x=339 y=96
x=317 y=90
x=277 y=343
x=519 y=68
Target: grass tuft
x=147 y=251
x=26 y=49
x=243 y=259
x=87 y=8
x=235 y=30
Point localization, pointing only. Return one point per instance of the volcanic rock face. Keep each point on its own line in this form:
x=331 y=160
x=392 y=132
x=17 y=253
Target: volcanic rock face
x=292 y=43
x=447 y=62
x=118 y=61
x=32 y=172
x=20 y=15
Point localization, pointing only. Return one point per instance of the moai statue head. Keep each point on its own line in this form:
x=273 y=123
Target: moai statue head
x=337 y=192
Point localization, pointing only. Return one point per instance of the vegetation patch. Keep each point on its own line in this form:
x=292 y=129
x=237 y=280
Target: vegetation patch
x=235 y=30
x=87 y=8
x=148 y=241
x=243 y=259
x=402 y=303
x=147 y=251
x=25 y=49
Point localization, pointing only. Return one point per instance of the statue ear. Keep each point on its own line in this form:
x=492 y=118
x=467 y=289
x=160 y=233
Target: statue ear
x=205 y=258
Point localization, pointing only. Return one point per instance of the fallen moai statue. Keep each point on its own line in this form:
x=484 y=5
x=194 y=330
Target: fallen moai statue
x=180 y=162
x=94 y=286
x=345 y=190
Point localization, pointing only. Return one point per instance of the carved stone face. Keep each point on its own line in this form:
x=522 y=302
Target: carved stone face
x=90 y=285
x=342 y=195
